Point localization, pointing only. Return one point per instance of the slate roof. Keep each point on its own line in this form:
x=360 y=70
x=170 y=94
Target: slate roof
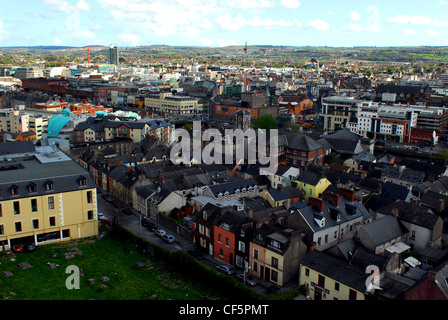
x=309 y=177
x=383 y=230
x=331 y=210
x=412 y=213
x=16 y=147
x=336 y=269
x=431 y=200
x=63 y=174
x=232 y=186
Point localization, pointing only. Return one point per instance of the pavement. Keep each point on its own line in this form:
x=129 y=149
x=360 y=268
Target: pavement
x=132 y=223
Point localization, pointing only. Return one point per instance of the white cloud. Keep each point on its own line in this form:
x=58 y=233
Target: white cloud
x=229 y=23
x=443 y=2
x=355 y=27
x=64 y=6
x=292 y=4
x=432 y=33
x=207 y=42
x=319 y=25
x=57 y=41
x=441 y=23
x=410 y=31
x=355 y=16
x=225 y=43
x=405 y=19
x=3 y=33
x=249 y=4
x=330 y=13
x=83 y=5
x=129 y=38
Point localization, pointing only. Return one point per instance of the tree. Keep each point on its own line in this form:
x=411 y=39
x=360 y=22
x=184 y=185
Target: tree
x=267 y=122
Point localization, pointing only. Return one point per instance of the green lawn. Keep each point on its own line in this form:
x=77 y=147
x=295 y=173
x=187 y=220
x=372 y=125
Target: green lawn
x=98 y=258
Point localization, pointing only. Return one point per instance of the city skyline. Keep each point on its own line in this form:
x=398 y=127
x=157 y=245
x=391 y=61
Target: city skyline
x=219 y=23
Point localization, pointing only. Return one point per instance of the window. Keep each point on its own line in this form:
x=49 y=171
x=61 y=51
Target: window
x=50 y=203
x=274 y=262
x=412 y=234
x=319 y=241
x=2 y=230
x=352 y=295
x=32 y=188
x=221 y=252
x=49 y=185
x=326 y=238
x=219 y=238
x=255 y=267
x=90 y=215
x=36 y=223
x=307 y=272
x=1 y=212
x=241 y=246
x=14 y=190
x=89 y=197
x=34 y=205
x=16 y=206
x=274 y=276
x=52 y=221
x=227 y=242
x=255 y=254
x=336 y=286
x=18 y=226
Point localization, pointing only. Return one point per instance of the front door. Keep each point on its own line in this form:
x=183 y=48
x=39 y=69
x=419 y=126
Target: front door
x=267 y=274
x=261 y=272
x=317 y=294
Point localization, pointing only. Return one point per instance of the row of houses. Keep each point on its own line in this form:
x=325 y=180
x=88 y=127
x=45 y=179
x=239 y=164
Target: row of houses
x=102 y=128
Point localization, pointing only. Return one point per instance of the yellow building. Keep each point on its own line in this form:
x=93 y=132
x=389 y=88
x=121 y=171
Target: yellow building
x=312 y=184
x=45 y=199
x=167 y=103
x=330 y=278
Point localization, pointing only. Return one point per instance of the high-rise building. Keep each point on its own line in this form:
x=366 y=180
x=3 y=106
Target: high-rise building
x=113 y=55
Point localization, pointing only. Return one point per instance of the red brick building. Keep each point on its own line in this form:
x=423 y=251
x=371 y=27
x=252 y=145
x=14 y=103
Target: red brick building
x=423 y=137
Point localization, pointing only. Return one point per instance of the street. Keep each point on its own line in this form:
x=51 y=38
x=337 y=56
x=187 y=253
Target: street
x=132 y=223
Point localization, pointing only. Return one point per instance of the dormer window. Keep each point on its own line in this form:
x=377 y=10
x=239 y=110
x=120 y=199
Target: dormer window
x=14 y=190
x=226 y=193
x=204 y=215
x=32 y=188
x=49 y=185
x=82 y=181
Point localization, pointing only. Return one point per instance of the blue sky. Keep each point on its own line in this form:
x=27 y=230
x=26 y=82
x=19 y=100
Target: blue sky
x=219 y=23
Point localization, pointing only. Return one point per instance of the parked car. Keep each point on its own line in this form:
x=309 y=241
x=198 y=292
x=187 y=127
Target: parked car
x=168 y=238
x=151 y=227
x=126 y=211
x=225 y=269
x=273 y=289
x=144 y=222
x=250 y=280
x=195 y=253
x=160 y=232
x=100 y=215
x=29 y=247
x=108 y=198
x=17 y=248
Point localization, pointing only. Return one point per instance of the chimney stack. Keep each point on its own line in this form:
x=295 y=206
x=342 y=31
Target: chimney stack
x=316 y=202
x=440 y=205
x=349 y=194
x=332 y=196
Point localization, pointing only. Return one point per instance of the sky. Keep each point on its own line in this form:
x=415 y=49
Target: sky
x=218 y=23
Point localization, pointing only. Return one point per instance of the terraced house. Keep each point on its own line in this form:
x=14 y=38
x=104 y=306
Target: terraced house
x=37 y=194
